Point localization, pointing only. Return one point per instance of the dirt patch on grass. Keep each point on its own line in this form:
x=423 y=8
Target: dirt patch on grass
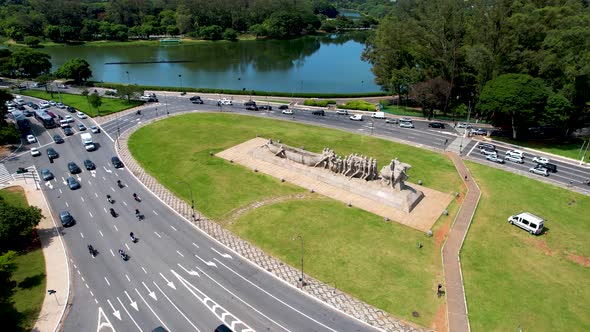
x=545 y=248
x=441 y=234
x=237 y=213
x=15 y=189
x=439 y=322
x=581 y=260
x=584 y=261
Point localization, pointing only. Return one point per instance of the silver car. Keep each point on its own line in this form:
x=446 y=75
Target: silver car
x=514 y=159
x=494 y=158
x=405 y=124
x=540 y=170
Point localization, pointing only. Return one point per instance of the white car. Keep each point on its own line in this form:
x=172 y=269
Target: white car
x=35 y=152
x=540 y=160
x=540 y=170
x=225 y=101
x=44 y=104
x=31 y=139
x=10 y=103
x=52 y=103
x=288 y=112
x=514 y=159
x=488 y=151
x=356 y=117
x=95 y=129
x=391 y=120
x=342 y=112
x=494 y=158
x=463 y=125
x=515 y=153
x=81 y=115
x=69 y=118
x=406 y=124
x=60 y=106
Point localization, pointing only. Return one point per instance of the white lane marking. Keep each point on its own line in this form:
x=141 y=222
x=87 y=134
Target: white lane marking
x=89 y=183
x=156 y=213
x=158 y=235
x=222 y=255
x=194 y=244
x=179 y=253
x=169 y=283
x=124 y=203
x=116 y=227
x=61 y=192
x=206 y=263
x=107 y=280
x=113 y=189
x=133 y=320
x=112 y=253
x=96 y=301
x=131 y=302
x=83 y=279
x=144 y=270
x=116 y=313
x=104 y=179
x=173 y=227
x=90 y=213
x=100 y=233
x=174 y=305
x=67 y=205
x=150 y=293
x=82 y=235
x=264 y=291
x=95 y=194
x=144 y=301
x=86 y=285
x=128 y=279
x=191 y=272
x=473 y=148
x=127 y=246
x=78 y=272
x=102 y=316
x=105 y=210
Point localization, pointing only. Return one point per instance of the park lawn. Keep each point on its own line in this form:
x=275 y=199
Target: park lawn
x=30 y=291
x=569 y=149
x=79 y=102
x=515 y=279
x=178 y=148
x=353 y=250
x=14 y=196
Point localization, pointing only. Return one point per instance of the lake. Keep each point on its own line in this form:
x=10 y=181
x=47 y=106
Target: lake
x=327 y=64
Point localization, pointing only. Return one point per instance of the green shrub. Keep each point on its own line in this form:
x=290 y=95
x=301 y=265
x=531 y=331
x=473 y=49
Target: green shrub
x=358 y=105
x=318 y=102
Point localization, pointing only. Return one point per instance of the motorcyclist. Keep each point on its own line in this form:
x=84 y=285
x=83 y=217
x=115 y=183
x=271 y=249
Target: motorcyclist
x=138 y=112
x=136 y=212
x=132 y=237
x=113 y=213
x=122 y=254
x=91 y=249
x=119 y=184
x=135 y=197
x=109 y=199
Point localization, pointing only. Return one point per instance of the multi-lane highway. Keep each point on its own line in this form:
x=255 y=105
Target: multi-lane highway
x=176 y=276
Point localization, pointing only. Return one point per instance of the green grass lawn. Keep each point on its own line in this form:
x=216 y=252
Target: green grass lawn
x=569 y=148
x=513 y=278
x=79 y=102
x=30 y=290
x=14 y=196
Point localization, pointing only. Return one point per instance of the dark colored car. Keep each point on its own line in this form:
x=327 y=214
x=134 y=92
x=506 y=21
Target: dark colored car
x=223 y=328
x=320 y=112
x=66 y=219
x=436 y=125
x=30 y=104
x=265 y=107
x=252 y=108
x=81 y=127
x=29 y=113
x=71 y=109
x=51 y=153
x=46 y=174
x=72 y=183
x=250 y=103
x=74 y=169
x=20 y=107
x=283 y=107
x=57 y=139
x=35 y=106
x=68 y=131
x=117 y=163
x=196 y=100
x=89 y=164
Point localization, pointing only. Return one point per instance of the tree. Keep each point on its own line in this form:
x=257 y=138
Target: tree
x=29 y=63
x=559 y=111
x=128 y=91
x=16 y=222
x=284 y=25
x=5 y=96
x=8 y=314
x=230 y=34
x=95 y=100
x=212 y=32
x=76 y=69
x=514 y=99
x=432 y=95
x=32 y=41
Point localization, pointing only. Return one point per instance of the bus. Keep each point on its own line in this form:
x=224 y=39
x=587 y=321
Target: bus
x=45 y=119
x=22 y=123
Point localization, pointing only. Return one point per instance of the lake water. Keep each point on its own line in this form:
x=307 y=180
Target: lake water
x=310 y=64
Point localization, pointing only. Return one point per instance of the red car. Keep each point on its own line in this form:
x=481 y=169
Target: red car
x=51 y=114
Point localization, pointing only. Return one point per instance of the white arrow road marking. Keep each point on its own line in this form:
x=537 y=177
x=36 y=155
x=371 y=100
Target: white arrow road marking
x=64 y=181
x=152 y=310
x=101 y=324
x=178 y=252
x=93 y=173
x=107 y=280
x=107 y=170
x=206 y=263
x=128 y=314
x=220 y=254
x=48 y=184
x=174 y=305
x=115 y=312
x=169 y=283
x=191 y=272
x=150 y=293
x=213 y=306
x=79 y=178
x=132 y=303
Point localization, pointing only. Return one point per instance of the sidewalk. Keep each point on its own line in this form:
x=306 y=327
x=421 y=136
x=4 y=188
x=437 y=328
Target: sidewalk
x=457 y=315
x=56 y=263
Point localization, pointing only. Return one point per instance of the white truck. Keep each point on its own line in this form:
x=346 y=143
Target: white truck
x=378 y=115
x=87 y=141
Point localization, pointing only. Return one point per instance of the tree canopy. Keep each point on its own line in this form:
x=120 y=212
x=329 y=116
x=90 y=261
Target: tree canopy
x=16 y=222
x=76 y=69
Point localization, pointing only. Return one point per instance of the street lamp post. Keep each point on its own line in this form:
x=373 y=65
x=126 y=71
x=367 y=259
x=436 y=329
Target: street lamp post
x=192 y=198
x=299 y=237
x=118 y=135
x=467 y=127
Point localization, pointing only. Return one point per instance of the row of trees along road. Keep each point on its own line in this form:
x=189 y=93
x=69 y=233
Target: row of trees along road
x=519 y=63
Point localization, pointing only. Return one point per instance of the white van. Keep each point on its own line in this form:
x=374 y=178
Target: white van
x=378 y=115
x=528 y=221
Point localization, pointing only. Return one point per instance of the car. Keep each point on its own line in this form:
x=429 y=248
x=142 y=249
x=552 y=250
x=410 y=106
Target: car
x=540 y=170
x=250 y=103
x=222 y=328
x=494 y=158
x=479 y=131
x=405 y=119
x=151 y=98
x=80 y=115
x=30 y=103
x=57 y=139
x=406 y=124
x=64 y=123
x=35 y=106
x=46 y=174
x=463 y=125
x=51 y=153
x=73 y=168
x=318 y=112
x=81 y=127
x=541 y=160
x=225 y=101
x=29 y=113
x=66 y=219
x=69 y=118
x=342 y=112
x=514 y=159
x=196 y=100
x=31 y=139
x=20 y=107
x=35 y=152
x=10 y=103
x=95 y=129
x=252 y=108
x=283 y=107
x=89 y=165
x=52 y=103
x=62 y=86
x=265 y=107
x=356 y=117
x=515 y=153
x=117 y=163
x=72 y=183
x=487 y=151
x=68 y=131
x=287 y=112
x=436 y=125
x=71 y=109
x=51 y=114
x=391 y=120
x=44 y=104
x=60 y=106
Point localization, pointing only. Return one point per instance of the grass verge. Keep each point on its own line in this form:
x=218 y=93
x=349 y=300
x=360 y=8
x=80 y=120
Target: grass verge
x=30 y=290
x=79 y=102
x=514 y=279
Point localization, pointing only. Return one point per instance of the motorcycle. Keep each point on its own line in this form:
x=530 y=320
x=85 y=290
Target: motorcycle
x=133 y=238
x=113 y=213
x=121 y=185
x=110 y=200
x=138 y=215
x=138 y=113
x=123 y=255
x=136 y=198
x=92 y=250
